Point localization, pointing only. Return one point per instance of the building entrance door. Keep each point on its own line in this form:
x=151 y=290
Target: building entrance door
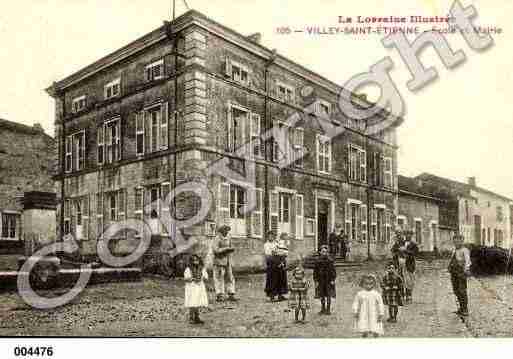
x=322 y=221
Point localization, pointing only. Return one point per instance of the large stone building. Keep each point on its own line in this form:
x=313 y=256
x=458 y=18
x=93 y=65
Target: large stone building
x=480 y=215
x=177 y=106
x=418 y=211
x=26 y=159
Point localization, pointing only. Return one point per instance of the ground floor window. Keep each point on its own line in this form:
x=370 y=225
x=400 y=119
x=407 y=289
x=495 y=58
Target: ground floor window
x=9 y=226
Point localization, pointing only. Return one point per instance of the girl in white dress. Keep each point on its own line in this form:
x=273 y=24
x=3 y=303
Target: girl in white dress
x=368 y=308
x=195 y=292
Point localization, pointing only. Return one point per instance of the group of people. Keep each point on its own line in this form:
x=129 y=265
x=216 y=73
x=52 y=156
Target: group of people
x=396 y=284
x=338 y=243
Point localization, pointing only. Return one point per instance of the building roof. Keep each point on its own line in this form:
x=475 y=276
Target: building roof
x=36 y=129
x=410 y=186
x=459 y=187
x=193 y=17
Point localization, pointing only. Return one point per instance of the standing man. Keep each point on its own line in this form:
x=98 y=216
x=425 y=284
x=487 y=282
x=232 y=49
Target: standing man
x=333 y=241
x=459 y=268
x=223 y=273
x=410 y=251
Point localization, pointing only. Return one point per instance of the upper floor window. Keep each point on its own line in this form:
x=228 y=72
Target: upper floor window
x=112 y=89
x=109 y=141
x=500 y=215
x=155 y=70
x=297 y=136
x=151 y=129
x=323 y=108
x=357 y=164
x=323 y=154
x=387 y=172
x=285 y=92
x=75 y=152
x=9 y=228
x=237 y=72
x=78 y=103
x=244 y=131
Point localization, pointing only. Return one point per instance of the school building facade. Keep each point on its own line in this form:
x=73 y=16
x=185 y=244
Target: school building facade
x=262 y=136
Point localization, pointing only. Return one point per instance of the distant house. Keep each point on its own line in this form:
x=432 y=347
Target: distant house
x=418 y=210
x=26 y=159
x=481 y=216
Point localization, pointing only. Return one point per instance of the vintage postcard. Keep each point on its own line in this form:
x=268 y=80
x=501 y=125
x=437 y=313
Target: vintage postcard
x=255 y=169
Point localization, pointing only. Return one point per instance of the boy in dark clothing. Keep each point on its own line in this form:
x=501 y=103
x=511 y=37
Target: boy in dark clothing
x=324 y=276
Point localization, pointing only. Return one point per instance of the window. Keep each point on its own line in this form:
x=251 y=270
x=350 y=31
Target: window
x=280 y=142
x=353 y=215
x=286 y=93
x=78 y=104
x=75 y=152
x=363 y=217
x=387 y=172
x=9 y=226
x=255 y=135
x=500 y=215
x=374 y=224
x=467 y=212
x=380 y=218
x=284 y=210
x=237 y=119
x=299 y=216
x=238 y=73
x=139 y=209
x=237 y=202
x=357 y=164
x=100 y=140
x=401 y=221
x=298 y=148
x=151 y=129
x=418 y=230
x=155 y=70
x=323 y=108
x=310 y=227
x=377 y=166
x=388 y=228
x=323 y=154
x=112 y=141
x=67 y=216
x=112 y=89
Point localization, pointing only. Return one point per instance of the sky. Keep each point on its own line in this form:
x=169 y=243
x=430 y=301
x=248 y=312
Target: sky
x=458 y=126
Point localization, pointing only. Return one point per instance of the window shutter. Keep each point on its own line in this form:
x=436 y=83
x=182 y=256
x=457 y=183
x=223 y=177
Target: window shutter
x=229 y=142
x=99 y=214
x=256 y=215
x=118 y=139
x=299 y=216
x=317 y=151
x=85 y=218
x=227 y=67
x=224 y=204
x=364 y=223
x=139 y=133
x=247 y=135
x=147 y=131
x=329 y=157
x=100 y=141
x=68 y=162
x=349 y=223
x=363 y=166
x=164 y=134
x=255 y=134
x=273 y=212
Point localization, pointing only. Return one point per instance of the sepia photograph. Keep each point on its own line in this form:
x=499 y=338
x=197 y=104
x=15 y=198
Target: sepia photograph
x=254 y=169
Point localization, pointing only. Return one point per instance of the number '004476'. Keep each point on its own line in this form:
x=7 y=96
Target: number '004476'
x=33 y=351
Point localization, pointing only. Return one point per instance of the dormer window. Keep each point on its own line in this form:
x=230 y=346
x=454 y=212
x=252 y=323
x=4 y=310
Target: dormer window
x=286 y=93
x=155 y=70
x=112 y=89
x=78 y=103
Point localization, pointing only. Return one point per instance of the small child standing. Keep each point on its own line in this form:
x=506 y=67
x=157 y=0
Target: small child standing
x=195 y=292
x=392 y=285
x=324 y=277
x=298 y=298
x=368 y=308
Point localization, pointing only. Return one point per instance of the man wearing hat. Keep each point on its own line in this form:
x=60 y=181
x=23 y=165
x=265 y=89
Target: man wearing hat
x=459 y=268
x=223 y=273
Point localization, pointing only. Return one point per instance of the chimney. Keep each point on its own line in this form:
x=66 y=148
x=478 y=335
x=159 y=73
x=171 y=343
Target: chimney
x=472 y=181
x=256 y=37
x=38 y=127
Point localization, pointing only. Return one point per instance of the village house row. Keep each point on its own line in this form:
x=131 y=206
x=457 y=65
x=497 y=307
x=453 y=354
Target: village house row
x=158 y=112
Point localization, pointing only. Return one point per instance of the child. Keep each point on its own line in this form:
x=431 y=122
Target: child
x=368 y=308
x=392 y=285
x=324 y=277
x=195 y=292
x=298 y=299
